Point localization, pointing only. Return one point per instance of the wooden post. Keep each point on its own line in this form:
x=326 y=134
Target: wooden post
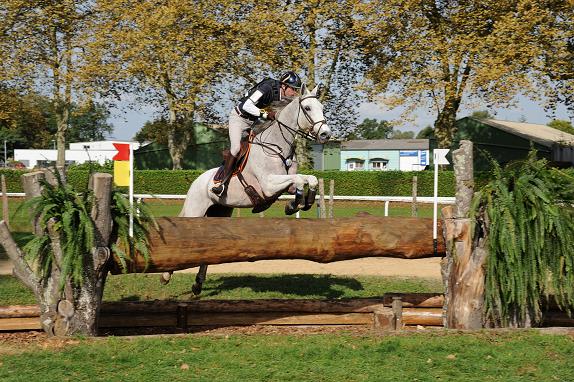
x=414 y=202
x=5 y=209
x=462 y=269
x=397 y=307
x=323 y=212
x=32 y=188
x=331 y=197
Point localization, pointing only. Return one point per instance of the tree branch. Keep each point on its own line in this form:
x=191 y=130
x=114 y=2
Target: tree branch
x=21 y=268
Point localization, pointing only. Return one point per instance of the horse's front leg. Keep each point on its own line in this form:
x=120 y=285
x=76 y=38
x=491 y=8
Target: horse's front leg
x=311 y=192
x=274 y=184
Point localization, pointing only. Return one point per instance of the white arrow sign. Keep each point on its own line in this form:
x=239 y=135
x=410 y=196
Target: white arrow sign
x=440 y=156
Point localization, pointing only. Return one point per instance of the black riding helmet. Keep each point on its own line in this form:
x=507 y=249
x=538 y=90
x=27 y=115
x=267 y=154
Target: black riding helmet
x=291 y=79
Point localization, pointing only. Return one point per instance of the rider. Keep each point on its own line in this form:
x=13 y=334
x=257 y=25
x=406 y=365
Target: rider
x=251 y=107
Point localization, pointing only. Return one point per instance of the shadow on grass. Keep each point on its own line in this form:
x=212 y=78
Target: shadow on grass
x=302 y=285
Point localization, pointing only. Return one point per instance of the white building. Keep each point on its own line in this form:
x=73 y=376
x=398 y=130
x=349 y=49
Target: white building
x=79 y=152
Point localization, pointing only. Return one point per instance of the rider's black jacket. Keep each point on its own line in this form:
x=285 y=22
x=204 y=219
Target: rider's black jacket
x=271 y=90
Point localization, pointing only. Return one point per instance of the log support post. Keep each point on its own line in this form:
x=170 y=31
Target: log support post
x=73 y=309
x=462 y=268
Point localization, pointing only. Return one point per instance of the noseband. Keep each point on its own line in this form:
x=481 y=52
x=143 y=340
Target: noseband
x=309 y=134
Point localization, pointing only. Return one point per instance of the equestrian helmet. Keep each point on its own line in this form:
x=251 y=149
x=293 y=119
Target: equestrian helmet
x=291 y=79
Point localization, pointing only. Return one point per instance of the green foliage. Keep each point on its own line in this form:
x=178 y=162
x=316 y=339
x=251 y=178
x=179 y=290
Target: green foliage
x=565 y=126
x=371 y=129
x=70 y=214
x=481 y=114
x=368 y=183
x=127 y=247
x=528 y=212
x=426 y=133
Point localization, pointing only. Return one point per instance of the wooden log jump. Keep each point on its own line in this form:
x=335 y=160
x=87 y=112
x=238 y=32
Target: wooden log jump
x=189 y=242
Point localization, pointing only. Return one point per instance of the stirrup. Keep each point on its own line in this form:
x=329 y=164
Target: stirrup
x=219 y=189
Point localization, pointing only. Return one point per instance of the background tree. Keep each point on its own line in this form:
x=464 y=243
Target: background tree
x=41 y=45
x=426 y=133
x=441 y=53
x=565 y=126
x=153 y=131
x=371 y=129
x=481 y=114
x=169 y=55
x=398 y=134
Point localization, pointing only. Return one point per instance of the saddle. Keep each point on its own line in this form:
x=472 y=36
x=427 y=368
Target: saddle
x=260 y=203
x=241 y=158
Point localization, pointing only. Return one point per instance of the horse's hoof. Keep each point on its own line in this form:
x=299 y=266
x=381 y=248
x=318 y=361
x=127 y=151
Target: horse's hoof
x=196 y=289
x=309 y=200
x=290 y=210
x=164 y=278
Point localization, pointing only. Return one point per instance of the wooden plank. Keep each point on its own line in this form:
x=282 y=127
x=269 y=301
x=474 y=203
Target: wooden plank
x=366 y=305
x=188 y=242
x=422 y=316
x=136 y=321
x=21 y=323
x=15 y=311
x=278 y=318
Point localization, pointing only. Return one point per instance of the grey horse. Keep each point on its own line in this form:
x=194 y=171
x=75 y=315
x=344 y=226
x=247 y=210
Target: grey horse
x=268 y=169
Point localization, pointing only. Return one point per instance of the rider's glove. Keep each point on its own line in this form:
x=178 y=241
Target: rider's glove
x=270 y=115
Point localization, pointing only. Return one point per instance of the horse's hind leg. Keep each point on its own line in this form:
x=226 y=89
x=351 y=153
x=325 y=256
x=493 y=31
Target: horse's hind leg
x=199 y=280
x=213 y=211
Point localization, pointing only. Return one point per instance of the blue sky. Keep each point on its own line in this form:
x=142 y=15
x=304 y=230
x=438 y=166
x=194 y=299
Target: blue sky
x=128 y=124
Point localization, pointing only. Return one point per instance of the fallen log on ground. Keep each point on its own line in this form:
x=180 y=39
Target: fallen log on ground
x=189 y=242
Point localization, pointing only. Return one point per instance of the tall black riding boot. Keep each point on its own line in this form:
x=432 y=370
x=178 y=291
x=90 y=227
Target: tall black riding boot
x=219 y=189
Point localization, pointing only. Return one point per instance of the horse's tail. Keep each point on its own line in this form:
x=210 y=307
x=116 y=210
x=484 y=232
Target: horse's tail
x=198 y=199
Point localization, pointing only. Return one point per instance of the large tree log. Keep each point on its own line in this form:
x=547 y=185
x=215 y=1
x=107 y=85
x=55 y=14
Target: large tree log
x=188 y=242
x=462 y=271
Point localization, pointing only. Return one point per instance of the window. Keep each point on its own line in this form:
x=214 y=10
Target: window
x=355 y=164
x=379 y=164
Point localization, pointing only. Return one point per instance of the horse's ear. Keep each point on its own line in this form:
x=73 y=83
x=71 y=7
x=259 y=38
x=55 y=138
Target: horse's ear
x=318 y=90
x=304 y=90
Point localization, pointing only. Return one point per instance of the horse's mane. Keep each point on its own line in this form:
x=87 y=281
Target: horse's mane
x=277 y=106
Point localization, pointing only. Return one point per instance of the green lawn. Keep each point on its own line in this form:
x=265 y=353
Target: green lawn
x=427 y=356
x=138 y=287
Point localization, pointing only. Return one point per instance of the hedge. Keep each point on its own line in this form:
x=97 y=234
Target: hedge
x=357 y=183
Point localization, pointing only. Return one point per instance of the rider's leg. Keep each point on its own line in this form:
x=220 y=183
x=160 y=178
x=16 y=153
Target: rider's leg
x=236 y=127
x=219 y=188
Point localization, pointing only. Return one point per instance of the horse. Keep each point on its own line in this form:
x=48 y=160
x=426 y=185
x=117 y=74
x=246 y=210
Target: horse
x=269 y=171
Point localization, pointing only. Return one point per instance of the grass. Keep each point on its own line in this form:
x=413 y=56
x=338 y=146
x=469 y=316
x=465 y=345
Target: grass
x=430 y=356
x=138 y=287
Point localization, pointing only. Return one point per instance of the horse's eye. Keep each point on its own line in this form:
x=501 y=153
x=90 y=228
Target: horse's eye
x=308 y=108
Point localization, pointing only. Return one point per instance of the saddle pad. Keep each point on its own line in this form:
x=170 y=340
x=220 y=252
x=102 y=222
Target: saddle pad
x=240 y=162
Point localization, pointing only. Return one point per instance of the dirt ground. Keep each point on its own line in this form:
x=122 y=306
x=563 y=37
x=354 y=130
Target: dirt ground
x=384 y=266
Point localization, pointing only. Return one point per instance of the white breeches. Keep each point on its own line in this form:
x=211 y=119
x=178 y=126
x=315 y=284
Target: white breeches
x=237 y=125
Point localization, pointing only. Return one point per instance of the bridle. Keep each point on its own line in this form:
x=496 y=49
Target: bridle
x=308 y=133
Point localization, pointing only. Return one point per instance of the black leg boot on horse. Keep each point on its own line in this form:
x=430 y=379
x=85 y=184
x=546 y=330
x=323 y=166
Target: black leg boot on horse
x=228 y=166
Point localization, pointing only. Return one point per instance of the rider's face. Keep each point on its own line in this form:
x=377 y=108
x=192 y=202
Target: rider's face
x=289 y=91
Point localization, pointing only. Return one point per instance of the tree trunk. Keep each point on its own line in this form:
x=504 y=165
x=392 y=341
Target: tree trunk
x=444 y=126
x=188 y=242
x=462 y=269
x=73 y=309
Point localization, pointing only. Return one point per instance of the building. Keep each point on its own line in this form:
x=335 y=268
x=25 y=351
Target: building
x=326 y=156
x=506 y=141
x=204 y=153
x=384 y=155
x=78 y=152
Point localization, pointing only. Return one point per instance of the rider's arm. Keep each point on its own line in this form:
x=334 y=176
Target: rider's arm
x=249 y=104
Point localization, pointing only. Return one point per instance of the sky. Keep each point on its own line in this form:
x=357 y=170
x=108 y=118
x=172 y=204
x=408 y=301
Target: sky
x=127 y=124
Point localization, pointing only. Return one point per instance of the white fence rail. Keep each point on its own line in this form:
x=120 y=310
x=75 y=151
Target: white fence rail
x=386 y=199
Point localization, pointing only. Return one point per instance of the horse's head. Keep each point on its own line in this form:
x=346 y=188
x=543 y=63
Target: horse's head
x=311 y=117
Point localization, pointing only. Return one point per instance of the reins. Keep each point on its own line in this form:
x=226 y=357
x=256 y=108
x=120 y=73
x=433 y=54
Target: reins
x=298 y=131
